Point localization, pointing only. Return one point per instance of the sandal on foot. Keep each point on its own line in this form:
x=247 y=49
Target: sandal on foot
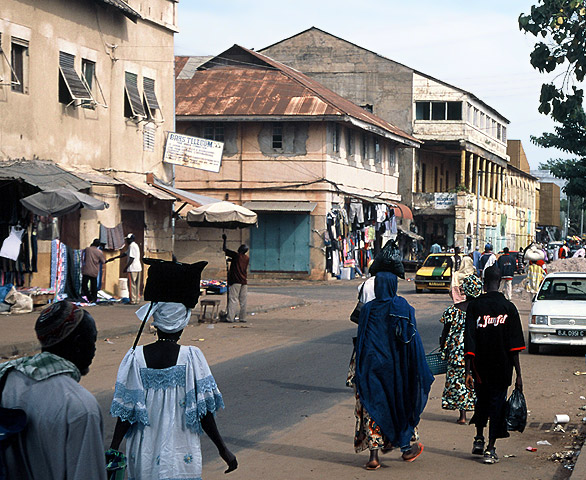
x=461 y=422
x=412 y=454
x=373 y=465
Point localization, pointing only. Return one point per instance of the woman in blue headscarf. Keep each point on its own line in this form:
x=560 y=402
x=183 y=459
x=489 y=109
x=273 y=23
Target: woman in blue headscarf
x=392 y=378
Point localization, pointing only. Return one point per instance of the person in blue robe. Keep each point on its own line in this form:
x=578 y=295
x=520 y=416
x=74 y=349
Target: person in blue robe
x=392 y=377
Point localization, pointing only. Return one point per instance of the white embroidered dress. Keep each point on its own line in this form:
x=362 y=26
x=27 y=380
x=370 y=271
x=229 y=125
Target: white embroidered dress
x=165 y=407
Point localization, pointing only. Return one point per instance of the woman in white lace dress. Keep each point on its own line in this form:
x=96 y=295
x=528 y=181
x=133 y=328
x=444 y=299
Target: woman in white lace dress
x=165 y=398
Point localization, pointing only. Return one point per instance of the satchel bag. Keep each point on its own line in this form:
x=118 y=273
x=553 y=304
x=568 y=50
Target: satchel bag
x=388 y=260
x=355 y=315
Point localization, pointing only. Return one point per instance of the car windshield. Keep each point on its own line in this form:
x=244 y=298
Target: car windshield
x=563 y=289
x=436 y=261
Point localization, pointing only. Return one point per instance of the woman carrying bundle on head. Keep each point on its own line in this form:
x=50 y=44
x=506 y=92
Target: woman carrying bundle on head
x=165 y=398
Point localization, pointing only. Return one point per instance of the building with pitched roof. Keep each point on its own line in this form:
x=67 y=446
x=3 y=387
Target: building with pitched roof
x=298 y=154
x=461 y=134
x=86 y=86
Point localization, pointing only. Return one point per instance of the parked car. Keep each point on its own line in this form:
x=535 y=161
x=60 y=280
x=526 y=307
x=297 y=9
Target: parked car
x=558 y=313
x=435 y=273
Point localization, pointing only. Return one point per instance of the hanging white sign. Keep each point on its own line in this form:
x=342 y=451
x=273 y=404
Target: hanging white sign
x=193 y=152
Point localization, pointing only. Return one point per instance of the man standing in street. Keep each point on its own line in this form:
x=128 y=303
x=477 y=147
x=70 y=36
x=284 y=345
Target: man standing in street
x=493 y=338
x=237 y=281
x=133 y=267
x=506 y=264
x=488 y=259
x=92 y=259
x=63 y=437
x=435 y=248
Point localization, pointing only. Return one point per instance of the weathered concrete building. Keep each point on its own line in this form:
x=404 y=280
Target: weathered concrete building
x=86 y=85
x=307 y=160
x=462 y=135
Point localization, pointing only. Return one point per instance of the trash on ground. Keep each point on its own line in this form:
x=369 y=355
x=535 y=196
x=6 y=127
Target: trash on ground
x=531 y=449
x=210 y=326
x=559 y=428
x=252 y=313
x=107 y=340
x=563 y=455
x=509 y=456
x=543 y=442
x=240 y=326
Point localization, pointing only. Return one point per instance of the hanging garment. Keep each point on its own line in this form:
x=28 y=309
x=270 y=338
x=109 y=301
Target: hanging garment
x=381 y=212
x=356 y=213
x=112 y=238
x=11 y=245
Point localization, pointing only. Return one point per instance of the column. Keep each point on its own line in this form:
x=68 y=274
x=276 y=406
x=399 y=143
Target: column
x=462 y=169
x=476 y=168
x=489 y=190
x=471 y=186
x=500 y=184
x=483 y=177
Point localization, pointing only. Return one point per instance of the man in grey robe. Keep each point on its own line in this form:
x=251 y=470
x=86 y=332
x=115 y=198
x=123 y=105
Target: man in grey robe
x=63 y=437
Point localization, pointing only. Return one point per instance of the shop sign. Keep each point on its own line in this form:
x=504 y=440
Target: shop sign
x=443 y=201
x=193 y=152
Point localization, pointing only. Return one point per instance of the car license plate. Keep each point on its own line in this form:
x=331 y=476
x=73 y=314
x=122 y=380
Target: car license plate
x=436 y=284
x=570 y=333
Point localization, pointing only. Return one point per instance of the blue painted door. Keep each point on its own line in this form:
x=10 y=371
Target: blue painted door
x=280 y=243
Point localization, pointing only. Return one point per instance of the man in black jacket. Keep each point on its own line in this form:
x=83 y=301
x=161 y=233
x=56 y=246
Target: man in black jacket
x=506 y=264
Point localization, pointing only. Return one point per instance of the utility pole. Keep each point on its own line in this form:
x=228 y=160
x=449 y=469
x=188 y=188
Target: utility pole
x=582 y=219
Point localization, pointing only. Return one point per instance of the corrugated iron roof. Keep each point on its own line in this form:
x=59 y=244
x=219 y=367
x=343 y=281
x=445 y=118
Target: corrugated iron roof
x=243 y=82
x=126 y=9
x=146 y=190
x=43 y=175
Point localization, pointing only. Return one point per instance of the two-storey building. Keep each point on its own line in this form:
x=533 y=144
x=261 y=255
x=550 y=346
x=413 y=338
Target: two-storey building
x=455 y=182
x=320 y=171
x=86 y=95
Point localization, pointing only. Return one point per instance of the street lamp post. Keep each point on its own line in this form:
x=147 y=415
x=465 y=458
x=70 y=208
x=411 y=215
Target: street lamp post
x=478 y=175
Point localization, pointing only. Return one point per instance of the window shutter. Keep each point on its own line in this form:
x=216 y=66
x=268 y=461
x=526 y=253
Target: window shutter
x=131 y=88
x=77 y=89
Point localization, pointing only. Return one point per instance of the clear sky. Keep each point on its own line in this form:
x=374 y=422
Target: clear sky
x=476 y=46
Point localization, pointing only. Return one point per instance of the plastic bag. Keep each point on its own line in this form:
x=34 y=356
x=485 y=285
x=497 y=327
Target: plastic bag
x=516 y=412
x=388 y=260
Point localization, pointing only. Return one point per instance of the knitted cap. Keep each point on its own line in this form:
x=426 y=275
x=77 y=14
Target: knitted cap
x=56 y=322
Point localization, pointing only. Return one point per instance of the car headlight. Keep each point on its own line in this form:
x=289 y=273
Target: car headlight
x=539 y=319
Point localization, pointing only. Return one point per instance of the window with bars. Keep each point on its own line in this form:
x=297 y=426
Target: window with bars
x=214 y=131
x=133 y=107
x=277 y=136
x=336 y=138
x=350 y=146
x=377 y=151
x=392 y=157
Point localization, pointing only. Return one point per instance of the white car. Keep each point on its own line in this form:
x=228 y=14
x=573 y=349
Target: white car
x=558 y=313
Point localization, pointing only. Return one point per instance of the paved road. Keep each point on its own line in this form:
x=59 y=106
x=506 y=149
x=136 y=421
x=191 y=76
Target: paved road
x=269 y=391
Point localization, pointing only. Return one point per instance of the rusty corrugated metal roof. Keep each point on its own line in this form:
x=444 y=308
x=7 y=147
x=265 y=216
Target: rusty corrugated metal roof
x=263 y=87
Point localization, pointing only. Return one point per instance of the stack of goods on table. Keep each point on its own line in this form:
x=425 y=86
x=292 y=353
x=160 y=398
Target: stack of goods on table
x=214 y=287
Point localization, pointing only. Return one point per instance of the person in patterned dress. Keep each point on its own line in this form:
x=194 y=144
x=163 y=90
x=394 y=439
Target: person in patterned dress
x=456 y=396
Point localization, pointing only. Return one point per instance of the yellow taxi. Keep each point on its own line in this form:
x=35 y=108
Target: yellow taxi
x=435 y=273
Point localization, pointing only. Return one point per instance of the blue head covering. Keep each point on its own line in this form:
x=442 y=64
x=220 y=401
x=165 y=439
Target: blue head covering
x=392 y=376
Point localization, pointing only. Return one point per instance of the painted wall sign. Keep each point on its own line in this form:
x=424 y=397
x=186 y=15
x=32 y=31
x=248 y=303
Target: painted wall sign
x=193 y=152
x=444 y=200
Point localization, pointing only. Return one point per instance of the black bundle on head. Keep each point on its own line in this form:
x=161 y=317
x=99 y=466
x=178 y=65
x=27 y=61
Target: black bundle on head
x=173 y=281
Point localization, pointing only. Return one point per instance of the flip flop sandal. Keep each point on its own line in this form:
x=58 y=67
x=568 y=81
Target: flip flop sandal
x=368 y=466
x=420 y=446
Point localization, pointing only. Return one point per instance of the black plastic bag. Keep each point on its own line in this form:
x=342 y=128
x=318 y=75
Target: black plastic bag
x=388 y=260
x=516 y=412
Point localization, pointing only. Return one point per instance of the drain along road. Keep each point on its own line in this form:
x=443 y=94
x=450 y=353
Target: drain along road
x=289 y=414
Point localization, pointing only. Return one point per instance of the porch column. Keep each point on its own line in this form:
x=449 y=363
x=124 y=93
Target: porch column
x=490 y=190
x=476 y=168
x=499 y=195
x=470 y=185
x=483 y=176
x=462 y=169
